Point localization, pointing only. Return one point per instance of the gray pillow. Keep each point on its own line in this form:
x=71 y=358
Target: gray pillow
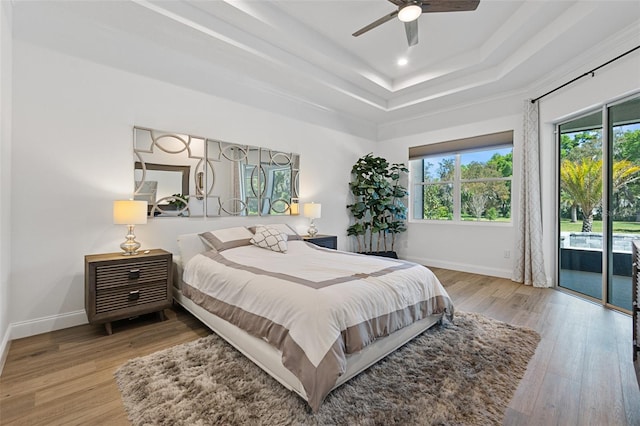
x=227 y=238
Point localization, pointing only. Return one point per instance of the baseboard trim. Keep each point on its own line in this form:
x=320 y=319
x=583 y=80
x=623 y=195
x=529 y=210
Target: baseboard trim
x=4 y=348
x=463 y=267
x=46 y=324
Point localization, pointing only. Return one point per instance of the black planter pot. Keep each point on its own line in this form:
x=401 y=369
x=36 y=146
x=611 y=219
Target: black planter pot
x=390 y=254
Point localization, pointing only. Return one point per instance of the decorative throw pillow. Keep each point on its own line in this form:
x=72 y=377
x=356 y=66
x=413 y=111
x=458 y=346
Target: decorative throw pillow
x=270 y=238
x=283 y=228
x=223 y=239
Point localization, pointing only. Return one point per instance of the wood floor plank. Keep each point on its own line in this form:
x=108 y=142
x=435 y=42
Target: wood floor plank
x=631 y=398
x=556 y=403
x=568 y=356
x=13 y=407
x=45 y=380
x=581 y=373
x=530 y=388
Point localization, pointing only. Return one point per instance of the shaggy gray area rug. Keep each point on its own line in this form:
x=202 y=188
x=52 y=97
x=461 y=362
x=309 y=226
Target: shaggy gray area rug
x=460 y=373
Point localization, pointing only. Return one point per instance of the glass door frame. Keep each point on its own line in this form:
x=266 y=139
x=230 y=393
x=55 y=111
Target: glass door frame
x=607 y=189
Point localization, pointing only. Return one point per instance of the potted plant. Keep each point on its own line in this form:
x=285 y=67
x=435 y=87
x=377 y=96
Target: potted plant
x=378 y=209
x=179 y=202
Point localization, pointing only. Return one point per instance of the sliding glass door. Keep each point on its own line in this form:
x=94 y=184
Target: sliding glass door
x=599 y=180
x=623 y=128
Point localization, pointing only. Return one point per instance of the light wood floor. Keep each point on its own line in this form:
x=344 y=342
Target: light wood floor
x=581 y=374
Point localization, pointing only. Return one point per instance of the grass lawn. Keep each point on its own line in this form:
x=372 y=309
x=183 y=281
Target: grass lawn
x=618 y=227
x=468 y=218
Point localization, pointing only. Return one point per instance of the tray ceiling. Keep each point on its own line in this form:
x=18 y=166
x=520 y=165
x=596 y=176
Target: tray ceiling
x=302 y=52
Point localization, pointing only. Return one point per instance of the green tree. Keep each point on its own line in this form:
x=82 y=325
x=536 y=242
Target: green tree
x=587 y=144
x=478 y=197
x=431 y=201
x=626 y=144
x=567 y=143
x=502 y=163
x=477 y=203
x=583 y=182
x=446 y=168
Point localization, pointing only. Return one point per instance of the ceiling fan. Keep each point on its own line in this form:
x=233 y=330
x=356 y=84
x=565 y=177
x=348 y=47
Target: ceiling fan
x=410 y=10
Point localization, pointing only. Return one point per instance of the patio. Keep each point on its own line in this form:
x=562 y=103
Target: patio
x=590 y=283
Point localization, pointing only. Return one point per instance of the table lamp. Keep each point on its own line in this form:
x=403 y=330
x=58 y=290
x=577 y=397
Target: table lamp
x=130 y=213
x=312 y=211
x=294 y=208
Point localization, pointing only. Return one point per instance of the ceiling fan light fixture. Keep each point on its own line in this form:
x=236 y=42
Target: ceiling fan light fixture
x=409 y=12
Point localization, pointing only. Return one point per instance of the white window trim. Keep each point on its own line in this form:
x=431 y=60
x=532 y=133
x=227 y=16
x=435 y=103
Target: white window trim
x=457 y=196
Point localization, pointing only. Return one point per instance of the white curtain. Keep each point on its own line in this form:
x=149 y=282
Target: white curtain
x=528 y=265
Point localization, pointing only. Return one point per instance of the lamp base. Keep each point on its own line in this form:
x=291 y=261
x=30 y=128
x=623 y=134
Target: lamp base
x=312 y=231
x=130 y=246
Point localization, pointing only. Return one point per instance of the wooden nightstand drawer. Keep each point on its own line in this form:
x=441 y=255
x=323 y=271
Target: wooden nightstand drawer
x=118 y=286
x=114 y=299
x=108 y=275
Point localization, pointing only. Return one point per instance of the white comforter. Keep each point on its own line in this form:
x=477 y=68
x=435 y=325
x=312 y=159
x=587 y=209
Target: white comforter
x=318 y=297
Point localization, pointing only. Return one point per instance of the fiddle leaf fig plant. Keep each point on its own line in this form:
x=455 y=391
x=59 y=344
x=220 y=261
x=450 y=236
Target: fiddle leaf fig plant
x=378 y=209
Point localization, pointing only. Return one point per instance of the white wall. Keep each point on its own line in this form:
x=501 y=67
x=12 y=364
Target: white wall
x=480 y=248
x=5 y=174
x=471 y=247
x=72 y=150
x=615 y=80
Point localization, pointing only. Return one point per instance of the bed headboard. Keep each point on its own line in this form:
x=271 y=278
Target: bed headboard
x=190 y=245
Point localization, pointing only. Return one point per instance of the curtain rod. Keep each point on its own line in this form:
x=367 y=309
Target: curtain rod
x=533 y=101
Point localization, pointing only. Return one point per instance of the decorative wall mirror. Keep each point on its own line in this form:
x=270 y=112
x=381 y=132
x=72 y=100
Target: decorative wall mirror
x=236 y=180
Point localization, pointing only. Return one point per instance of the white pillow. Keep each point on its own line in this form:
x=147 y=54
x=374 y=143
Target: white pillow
x=223 y=239
x=270 y=238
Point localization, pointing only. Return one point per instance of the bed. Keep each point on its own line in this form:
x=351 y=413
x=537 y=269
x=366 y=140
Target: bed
x=310 y=317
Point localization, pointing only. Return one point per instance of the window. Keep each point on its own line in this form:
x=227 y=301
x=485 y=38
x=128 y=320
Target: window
x=273 y=187
x=463 y=180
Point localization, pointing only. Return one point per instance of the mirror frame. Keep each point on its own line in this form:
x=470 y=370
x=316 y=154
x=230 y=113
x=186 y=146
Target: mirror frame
x=205 y=201
x=185 y=170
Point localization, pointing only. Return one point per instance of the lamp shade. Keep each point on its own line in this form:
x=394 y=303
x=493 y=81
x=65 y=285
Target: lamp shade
x=312 y=210
x=129 y=212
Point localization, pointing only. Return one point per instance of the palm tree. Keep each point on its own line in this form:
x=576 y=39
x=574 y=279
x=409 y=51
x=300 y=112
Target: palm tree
x=582 y=181
x=568 y=203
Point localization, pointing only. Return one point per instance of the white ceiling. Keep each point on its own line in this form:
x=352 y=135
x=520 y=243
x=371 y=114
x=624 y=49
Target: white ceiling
x=301 y=52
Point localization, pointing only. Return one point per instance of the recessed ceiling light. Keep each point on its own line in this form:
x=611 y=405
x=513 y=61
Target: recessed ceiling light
x=403 y=61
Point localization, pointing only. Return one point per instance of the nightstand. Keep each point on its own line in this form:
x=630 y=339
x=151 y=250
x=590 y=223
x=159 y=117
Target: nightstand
x=117 y=286
x=327 y=241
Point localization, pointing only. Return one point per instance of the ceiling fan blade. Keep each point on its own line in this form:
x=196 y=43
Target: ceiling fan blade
x=376 y=23
x=411 y=28
x=396 y=2
x=432 y=6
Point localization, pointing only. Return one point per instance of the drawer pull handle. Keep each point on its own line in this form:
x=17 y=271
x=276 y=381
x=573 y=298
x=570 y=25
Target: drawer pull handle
x=134 y=274
x=134 y=295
